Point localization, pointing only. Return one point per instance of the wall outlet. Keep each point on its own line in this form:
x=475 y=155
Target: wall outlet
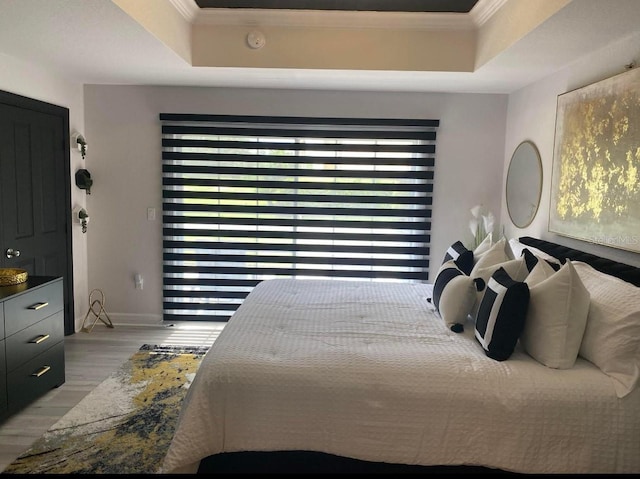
x=151 y=214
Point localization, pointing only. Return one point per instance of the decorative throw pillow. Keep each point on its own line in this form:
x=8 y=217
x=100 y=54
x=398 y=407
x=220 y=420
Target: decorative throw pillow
x=515 y=268
x=531 y=259
x=484 y=246
x=541 y=270
x=516 y=251
x=461 y=255
x=494 y=255
x=501 y=315
x=611 y=338
x=453 y=295
x=557 y=315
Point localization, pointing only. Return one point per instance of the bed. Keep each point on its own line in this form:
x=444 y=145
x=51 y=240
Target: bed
x=343 y=376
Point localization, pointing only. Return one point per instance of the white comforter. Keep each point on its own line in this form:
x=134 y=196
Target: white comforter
x=369 y=371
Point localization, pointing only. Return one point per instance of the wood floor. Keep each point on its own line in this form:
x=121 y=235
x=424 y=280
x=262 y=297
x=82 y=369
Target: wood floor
x=89 y=359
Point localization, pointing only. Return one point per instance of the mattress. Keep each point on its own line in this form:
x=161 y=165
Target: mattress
x=368 y=370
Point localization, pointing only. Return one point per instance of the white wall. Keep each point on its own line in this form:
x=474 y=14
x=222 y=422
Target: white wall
x=123 y=130
x=531 y=116
x=34 y=82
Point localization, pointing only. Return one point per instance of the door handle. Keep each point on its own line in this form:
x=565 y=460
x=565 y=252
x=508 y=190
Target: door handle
x=12 y=253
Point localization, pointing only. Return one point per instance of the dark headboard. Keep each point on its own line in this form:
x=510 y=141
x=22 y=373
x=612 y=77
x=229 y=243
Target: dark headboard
x=623 y=271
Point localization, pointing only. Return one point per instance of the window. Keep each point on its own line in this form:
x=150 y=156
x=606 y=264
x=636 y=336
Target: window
x=252 y=198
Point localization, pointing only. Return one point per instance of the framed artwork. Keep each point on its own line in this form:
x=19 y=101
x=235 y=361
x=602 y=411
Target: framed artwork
x=595 y=181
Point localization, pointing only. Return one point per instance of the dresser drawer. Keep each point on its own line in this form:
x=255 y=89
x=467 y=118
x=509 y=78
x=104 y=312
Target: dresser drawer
x=3 y=382
x=33 y=340
x=32 y=306
x=1 y=320
x=36 y=377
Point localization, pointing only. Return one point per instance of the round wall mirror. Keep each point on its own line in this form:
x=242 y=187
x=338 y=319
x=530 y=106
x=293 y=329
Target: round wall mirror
x=524 y=184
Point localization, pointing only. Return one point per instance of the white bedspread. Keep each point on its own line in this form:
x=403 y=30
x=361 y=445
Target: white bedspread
x=369 y=371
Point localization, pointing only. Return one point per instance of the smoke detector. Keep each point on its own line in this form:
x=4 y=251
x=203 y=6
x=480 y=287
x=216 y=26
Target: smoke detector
x=256 y=39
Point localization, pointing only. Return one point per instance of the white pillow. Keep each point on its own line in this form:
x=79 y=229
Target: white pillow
x=541 y=271
x=515 y=268
x=484 y=245
x=494 y=255
x=557 y=315
x=516 y=249
x=611 y=338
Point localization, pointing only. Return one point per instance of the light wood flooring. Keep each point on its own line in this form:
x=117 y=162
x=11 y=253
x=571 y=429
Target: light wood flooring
x=89 y=359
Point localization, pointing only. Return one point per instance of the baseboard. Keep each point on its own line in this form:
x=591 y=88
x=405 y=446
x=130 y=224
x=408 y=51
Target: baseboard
x=136 y=319
x=148 y=320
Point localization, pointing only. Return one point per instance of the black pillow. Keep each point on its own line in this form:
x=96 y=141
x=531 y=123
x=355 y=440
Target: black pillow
x=501 y=315
x=461 y=256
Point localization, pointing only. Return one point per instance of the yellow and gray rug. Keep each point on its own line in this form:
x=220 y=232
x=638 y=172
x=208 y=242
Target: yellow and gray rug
x=123 y=426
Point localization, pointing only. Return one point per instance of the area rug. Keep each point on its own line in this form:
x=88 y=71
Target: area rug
x=123 y=426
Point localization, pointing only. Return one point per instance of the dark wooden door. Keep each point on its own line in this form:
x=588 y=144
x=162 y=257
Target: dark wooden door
x=35 y=205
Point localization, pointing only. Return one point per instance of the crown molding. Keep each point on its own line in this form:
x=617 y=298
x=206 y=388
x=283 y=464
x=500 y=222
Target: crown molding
x=335 y=19
x=480 y=13
x=187 y=8
x=484 y=9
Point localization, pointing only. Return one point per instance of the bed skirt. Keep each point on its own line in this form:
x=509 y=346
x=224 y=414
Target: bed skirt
x=306 y=462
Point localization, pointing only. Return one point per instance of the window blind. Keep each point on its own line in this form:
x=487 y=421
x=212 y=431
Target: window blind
x=249 y=198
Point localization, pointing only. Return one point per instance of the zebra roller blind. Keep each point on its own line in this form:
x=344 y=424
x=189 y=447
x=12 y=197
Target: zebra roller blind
x=249 y=198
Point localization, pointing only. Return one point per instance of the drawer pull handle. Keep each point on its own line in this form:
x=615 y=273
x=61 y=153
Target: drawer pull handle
x=39 y=339
x=42 y=370
x=38 y=306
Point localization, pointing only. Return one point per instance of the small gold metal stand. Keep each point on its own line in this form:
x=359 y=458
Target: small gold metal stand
x=97 y=303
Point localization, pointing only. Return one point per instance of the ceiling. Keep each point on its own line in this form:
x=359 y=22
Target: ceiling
x=116 y=42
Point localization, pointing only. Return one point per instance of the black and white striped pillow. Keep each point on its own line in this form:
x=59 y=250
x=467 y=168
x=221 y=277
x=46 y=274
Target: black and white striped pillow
x=531 y=260
x=501 y=315
x=454 y=294
x=462 y=256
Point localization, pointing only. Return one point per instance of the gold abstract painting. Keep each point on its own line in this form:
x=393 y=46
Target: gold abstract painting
x=595 y=183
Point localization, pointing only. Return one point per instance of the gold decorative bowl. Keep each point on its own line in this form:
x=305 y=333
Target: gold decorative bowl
x=9 y=276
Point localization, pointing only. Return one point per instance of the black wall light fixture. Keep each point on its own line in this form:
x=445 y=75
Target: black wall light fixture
x=83 y=180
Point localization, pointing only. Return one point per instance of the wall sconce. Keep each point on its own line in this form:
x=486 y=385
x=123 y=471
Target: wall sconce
x=78 y=141
x=84 y=180
x=82 y=217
